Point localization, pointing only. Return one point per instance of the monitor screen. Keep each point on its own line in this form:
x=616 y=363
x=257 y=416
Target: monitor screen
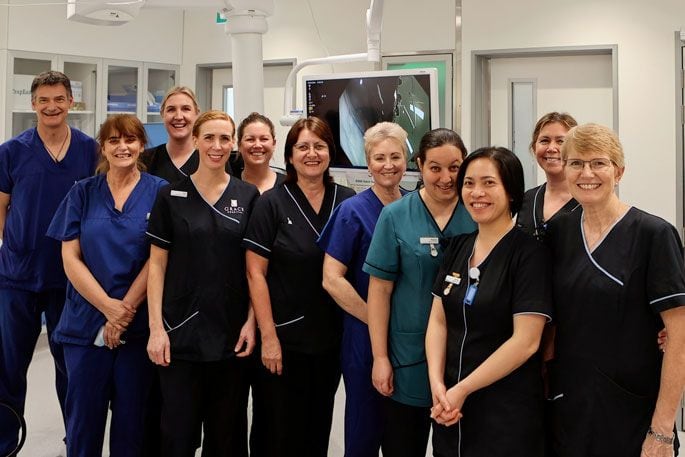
x=351 y=103
x=156 y=134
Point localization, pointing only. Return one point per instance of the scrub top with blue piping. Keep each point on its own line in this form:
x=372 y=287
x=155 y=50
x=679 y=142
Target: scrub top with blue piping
x=407 y=248
x=284 y=230
x=29 y=260
x=205 y=298
x=114 y=248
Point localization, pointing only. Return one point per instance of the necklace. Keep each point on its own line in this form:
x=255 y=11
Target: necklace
x=56 y=157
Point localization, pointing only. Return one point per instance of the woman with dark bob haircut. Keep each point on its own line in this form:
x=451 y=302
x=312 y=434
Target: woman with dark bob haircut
x=299 y=323
x=491 y=301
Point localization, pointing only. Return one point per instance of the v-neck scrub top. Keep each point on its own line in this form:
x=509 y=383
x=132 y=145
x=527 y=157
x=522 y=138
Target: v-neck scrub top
x=531 y=217
x=504 y=418
x=114 y=248
x=284 y=229
x=607 y=306
x=29 y=260
x=397 y=254
x=205 y=298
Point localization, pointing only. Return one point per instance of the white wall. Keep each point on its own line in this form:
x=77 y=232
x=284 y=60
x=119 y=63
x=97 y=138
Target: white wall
x=407 y=26
x=646 y=73
x=156 y=35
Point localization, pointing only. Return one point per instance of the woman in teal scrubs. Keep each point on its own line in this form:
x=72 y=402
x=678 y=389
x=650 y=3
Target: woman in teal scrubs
x=403 y=259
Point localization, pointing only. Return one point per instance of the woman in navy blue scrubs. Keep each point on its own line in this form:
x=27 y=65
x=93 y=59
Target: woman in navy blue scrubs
x=346 y=239
x=199 y=326
x=101 y=224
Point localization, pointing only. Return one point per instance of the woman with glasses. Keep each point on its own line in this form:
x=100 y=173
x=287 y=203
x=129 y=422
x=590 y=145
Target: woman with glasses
x=299 y=323
x=542 y=203
x=618 y=279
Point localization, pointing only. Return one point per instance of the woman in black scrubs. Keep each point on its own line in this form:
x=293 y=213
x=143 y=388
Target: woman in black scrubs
x=542 y=203
x=300 y=325
x=618 y=278
x=492 y=298
x=198 y=300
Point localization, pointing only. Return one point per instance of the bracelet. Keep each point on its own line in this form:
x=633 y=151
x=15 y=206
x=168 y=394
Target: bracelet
x=661 y=438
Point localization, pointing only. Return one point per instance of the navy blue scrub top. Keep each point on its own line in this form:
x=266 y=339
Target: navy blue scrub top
x=284 y=230
x=205 y=300
x=114 y=248
x=29 y=260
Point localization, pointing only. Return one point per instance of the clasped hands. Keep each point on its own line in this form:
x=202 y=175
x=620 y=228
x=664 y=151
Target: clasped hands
x=119 y=315
x=447 y=404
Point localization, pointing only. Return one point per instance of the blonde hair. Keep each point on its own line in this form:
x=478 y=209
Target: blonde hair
x=385 y=131
x=180 y=90
x=211 y=115
x=564 y=119
x=593 y=138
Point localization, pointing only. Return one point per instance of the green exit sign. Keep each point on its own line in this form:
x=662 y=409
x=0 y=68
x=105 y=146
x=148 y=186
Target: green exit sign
x=220 y=18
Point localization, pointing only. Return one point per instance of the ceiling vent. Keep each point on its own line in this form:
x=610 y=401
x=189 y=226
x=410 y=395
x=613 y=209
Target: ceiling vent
x=103 y=12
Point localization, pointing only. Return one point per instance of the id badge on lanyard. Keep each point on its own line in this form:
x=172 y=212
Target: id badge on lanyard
x=474 y=274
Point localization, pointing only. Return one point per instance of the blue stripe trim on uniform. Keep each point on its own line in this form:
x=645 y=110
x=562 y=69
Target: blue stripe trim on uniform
x=549 y=318
x=681 y=294
x=171 y=329
x=158 y=238
x=257 y=244
x=318 y=235
x=212 y=206
x=222 y=214
x=289 y=322
x=589 y=254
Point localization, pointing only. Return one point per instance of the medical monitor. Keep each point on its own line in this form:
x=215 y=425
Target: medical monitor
x=353 y=102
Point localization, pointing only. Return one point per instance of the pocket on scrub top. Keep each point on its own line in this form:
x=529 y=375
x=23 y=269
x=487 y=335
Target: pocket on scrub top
x=620 y=418
x=407 y=348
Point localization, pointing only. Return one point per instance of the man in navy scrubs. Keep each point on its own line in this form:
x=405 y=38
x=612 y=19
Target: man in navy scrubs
x=37 y=168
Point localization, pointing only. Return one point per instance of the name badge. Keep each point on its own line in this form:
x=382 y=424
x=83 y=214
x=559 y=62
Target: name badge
x=429 y=240
x=470 y=294
x=179 y=193
x=452 y=280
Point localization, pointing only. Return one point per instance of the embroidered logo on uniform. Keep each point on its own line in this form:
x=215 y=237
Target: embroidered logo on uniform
x=179 y=193
x=234 y=208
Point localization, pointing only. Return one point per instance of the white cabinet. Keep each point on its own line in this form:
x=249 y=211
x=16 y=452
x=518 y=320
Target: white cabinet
x=101 y=87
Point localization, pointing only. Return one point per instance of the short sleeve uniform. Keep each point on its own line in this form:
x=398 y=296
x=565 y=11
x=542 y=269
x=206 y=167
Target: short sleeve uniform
x=205 y=298
x=114 y=248
x=608 y=303
x=284 y=230
x=158 y=163
x=531 y=217
x=514 y=279
x=29 y=260
x=407 y=248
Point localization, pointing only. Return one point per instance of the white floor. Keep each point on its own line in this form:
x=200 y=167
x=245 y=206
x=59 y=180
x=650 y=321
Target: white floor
x=44 y=422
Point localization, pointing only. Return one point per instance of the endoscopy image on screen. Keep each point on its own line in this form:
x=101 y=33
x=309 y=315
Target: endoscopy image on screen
x=352 y=105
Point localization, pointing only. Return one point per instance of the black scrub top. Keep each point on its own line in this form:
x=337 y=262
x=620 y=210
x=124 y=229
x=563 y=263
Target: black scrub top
x=158 y=163
x=505 y=418
x=608 y=301
x=205 y=300
x=284 y=229
x=531 y=217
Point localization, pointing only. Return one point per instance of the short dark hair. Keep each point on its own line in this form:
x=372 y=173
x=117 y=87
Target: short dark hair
x=50 y=78
x=319 y=128
x=436 y=138
x=509 y=168
x=253 y=118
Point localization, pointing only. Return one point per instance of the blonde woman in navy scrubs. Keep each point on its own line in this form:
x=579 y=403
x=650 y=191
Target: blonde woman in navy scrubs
x=199 y=327
x=618 y=279
x=403 y=258
x=492 y=299
x=299 y=323
x=101 y=224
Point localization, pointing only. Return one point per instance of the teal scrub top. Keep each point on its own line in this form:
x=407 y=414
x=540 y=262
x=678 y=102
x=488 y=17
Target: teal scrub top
x=407 y=248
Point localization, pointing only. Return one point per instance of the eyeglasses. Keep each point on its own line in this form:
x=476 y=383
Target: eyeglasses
x=305 y=147
x=595 y=164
